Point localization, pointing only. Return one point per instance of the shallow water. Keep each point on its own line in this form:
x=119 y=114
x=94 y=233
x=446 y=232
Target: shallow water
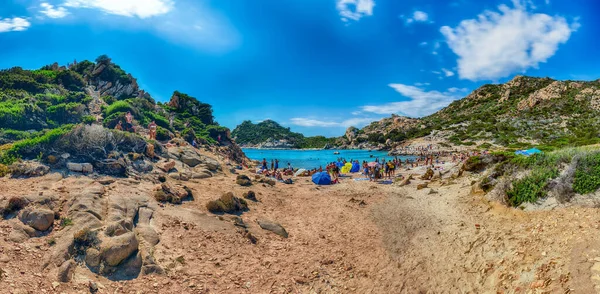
x=315 y=158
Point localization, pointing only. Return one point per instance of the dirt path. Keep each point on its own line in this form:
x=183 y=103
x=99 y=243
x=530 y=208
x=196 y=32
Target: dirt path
x=95 y=106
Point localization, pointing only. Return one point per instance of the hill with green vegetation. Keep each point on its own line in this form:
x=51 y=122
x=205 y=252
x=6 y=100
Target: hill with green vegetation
x=524 y=112
x=39 y=107
x=270 y=134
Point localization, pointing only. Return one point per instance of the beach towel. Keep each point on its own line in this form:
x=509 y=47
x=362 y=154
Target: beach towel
x=362 y=179
x=386 y=182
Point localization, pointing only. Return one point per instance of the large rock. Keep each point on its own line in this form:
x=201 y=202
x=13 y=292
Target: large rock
x=28 y=169
x=80 y=167
x=166 y=166
x=273 y=227
x=39 y=219
x=65 y=271
x=116 y=249
x=212 y=164
x=227 y=203
x=92 y=257
x=250 y=195
x=186 y=155
x=113 y=167
x=20 y=233
x=427 y=175
x=243 y=180
x=172 y=193
x=201 y=173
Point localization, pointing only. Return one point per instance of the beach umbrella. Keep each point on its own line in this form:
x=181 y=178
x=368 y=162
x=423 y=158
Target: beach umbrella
x=299 y=172
x=373 y=163
x=321 y=178
x=346 y=168
x=355 y=167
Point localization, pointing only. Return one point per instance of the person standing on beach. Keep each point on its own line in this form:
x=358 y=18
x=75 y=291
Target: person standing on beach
x=129 y=120
x=272 y=165
x=264 y=164
x=276 y=164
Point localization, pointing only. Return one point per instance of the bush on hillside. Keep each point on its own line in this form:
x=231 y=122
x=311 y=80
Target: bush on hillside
x=119 y=106
x=34 y=145
x=587 y=174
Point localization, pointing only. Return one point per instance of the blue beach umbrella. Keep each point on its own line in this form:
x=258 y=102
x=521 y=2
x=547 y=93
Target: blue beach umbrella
x=355 y=167
x=321 y=178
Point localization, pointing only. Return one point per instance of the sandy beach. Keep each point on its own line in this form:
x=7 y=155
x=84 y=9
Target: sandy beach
x=353 y=237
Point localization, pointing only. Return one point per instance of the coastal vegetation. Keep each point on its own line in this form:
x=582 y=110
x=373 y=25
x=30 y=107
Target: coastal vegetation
x=269 y=133
x=40 y=107
x=563 y=173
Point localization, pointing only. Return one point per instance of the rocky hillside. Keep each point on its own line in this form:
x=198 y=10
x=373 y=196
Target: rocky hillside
x=270 y=134
x=525 y=111
x=40 y=108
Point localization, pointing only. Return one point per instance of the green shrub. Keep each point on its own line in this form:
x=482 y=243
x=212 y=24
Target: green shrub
x=66 y=222
x=162 y=134
x=32 y=145
x=109 y=99
x=532 y=187
x=88 y=119
x=587 y=174
x=119 y=106
x=4 y=171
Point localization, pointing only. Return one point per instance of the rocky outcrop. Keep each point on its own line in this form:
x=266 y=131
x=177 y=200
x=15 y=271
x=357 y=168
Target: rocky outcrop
x=192 y=158
x=39 y=219
x=243 y=181
x=351 y=134
x=227 y=203
x=555 y=90
x=28 y=169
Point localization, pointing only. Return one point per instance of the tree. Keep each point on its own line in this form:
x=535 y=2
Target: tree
x=103 y=59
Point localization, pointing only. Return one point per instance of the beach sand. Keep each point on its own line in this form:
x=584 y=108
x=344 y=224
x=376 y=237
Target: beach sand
x=354 y=237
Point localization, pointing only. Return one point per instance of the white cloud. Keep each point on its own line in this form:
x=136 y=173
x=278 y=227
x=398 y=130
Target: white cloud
x=423 y=44
x=436 y=47
x=130 y=8
x=51 y=12
x=420 y=103
x=352 y=122
x=421 y=84
x=455 y=90
x=420 y=16
x=355 y=9
x=436 y=72
x=498 y=44
x=417 y=16
x=14 y=24
x=448 y=73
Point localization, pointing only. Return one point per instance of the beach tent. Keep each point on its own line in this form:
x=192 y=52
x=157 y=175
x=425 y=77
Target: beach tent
x=299 y=172
x=321 y=178
x=355 y=167
x=528 y=152
x=346 y=168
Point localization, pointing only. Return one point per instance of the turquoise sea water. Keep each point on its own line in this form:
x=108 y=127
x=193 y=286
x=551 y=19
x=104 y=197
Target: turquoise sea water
x=314 y=158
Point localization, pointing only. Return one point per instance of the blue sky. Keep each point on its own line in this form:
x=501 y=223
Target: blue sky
x=317 y=66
